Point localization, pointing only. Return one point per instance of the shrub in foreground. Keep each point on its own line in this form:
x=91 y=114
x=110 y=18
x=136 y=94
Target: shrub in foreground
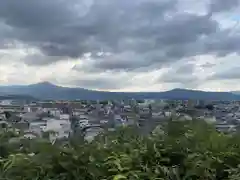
x=185 y=151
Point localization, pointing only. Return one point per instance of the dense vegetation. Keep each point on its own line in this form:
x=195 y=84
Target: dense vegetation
x=185 y=151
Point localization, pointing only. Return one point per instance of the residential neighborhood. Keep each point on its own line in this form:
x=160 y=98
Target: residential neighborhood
x=62 y=119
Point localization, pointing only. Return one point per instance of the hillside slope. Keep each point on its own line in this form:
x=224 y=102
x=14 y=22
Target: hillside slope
x=46 y=90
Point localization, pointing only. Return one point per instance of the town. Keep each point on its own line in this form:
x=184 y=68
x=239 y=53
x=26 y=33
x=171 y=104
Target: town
x=58 y=120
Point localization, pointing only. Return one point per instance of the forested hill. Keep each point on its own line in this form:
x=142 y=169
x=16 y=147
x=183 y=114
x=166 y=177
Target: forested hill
x=46 y=90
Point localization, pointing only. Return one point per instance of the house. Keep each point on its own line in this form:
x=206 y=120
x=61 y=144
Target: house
x=3 y=124
x=92 y=132
x=59 y=128
x=27 y=108
x=30 y=135
x=2 y=116
x=64 y=116
x=158 y=130
x=118 y=120
x=167 y=113
x=22 y=125
x=37 y=126
x=210 y=119
x=55 y=113
x=157 y=114
x=184 y=117
x=11 y=107
x=29 y=116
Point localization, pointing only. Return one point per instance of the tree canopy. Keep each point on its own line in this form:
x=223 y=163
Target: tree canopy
x=191 y=150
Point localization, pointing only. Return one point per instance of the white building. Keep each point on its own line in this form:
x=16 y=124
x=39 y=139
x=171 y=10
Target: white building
x=168 y=113
x=2 y=116
x=37 y=127
x=157 y=115
x=64 y=116
x=55 y=112
x=26 y=108
x=61 y=128
x=92 y=132
x=210 y=119
x=184 y=117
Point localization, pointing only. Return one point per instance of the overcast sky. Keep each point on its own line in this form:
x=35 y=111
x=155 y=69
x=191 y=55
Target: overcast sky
x=121 y=45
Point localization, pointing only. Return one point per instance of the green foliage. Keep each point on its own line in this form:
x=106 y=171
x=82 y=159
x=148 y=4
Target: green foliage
x=103 y=102
x=190 y=150
x=140 y=101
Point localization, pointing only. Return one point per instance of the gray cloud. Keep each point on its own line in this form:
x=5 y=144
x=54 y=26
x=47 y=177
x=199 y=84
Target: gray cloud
x=40 y=59
x=69 y=28
x=223 y=44
x=125 y=61
x=101 y=82
x=182 y=75
x=208 y=65
x=140 y=35
x=185 y=69
x=217 y=6
x=233 y=73
x=155 y=49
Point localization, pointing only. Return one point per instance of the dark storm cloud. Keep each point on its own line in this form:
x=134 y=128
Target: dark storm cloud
x=57 y=28
x=125 y=61
x=156 y=45
x=67 y=28
x=223 y=44
x=143 y=34
x=4 y=35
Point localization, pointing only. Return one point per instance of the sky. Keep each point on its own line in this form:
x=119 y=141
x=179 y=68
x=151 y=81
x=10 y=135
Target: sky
x=121 y=45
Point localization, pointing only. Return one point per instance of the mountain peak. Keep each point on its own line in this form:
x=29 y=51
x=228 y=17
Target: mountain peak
x=44 y=84
x=178 y=89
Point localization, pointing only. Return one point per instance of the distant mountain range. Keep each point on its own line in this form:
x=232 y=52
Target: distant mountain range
x=17 y=97
x=46 y=90
x=236 y=92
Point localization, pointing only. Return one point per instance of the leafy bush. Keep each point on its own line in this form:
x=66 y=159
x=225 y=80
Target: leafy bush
x=190 y=150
